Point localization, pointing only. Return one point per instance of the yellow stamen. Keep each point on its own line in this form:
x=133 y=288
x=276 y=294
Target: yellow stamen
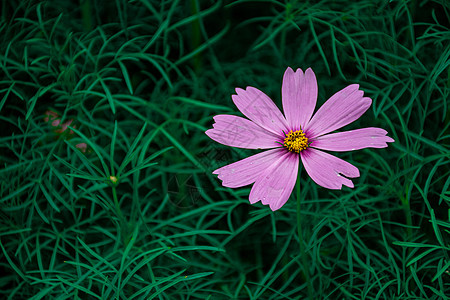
x=295 y=141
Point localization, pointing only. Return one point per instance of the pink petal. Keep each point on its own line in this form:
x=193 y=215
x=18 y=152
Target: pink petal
x=64 y=127
x=275 y=184
x=245 y=171
x=239 y=132
x=299 y=95
x=82 y=147
x=50 y=115
x=353 y=140
x=259 y=108
x=325 y=169
x=341 y=109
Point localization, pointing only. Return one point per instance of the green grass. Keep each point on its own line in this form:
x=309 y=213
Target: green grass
x=142 y=80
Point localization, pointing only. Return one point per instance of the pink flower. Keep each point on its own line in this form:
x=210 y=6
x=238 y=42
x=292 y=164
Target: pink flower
x=298 y=135
x=82 y=147
x=64 y=127
x=50 y=115
x=56 y=122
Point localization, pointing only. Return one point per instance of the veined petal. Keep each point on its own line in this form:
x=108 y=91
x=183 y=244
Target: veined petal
x=274 y=186
x=259 y=108
x=242 y=133
x=341 y=109
x=325 y=169
x=370 y=137
x=299 y=95
x=247 y=170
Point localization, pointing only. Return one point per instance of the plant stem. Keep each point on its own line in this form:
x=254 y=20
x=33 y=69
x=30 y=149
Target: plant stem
x=123 y=223
x=300 y=240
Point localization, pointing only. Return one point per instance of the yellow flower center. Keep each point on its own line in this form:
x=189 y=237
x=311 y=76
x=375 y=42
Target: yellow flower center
x=295 y=141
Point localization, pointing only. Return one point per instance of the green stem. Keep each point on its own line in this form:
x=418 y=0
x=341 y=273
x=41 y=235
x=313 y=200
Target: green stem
x=123 y=223
x=196 y=35
x=86 y=15
x=300 y=240
x=407 y=209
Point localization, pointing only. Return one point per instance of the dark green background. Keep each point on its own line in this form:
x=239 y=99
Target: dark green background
x=142 y=80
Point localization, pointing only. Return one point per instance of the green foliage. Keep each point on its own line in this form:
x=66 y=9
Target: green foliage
x=138 y=214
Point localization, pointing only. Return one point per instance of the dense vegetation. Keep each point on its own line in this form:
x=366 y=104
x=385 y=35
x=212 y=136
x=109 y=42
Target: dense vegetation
x=122 y=203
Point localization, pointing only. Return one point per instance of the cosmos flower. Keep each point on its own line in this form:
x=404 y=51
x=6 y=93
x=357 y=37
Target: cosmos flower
x=54 y=117
x=60 y=128
x=296 y=136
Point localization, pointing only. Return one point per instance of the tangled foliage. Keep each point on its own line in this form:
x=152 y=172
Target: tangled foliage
x=137 y=214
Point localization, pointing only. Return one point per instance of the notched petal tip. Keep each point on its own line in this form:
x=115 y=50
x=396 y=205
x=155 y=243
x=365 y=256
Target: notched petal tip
x=289 y=70
x=348 y=183
x=298 y=72
x=238 y=90
x=354 y=86
x=275 y=206
x=310 y=74
x=366 y=100
x=327 y=170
